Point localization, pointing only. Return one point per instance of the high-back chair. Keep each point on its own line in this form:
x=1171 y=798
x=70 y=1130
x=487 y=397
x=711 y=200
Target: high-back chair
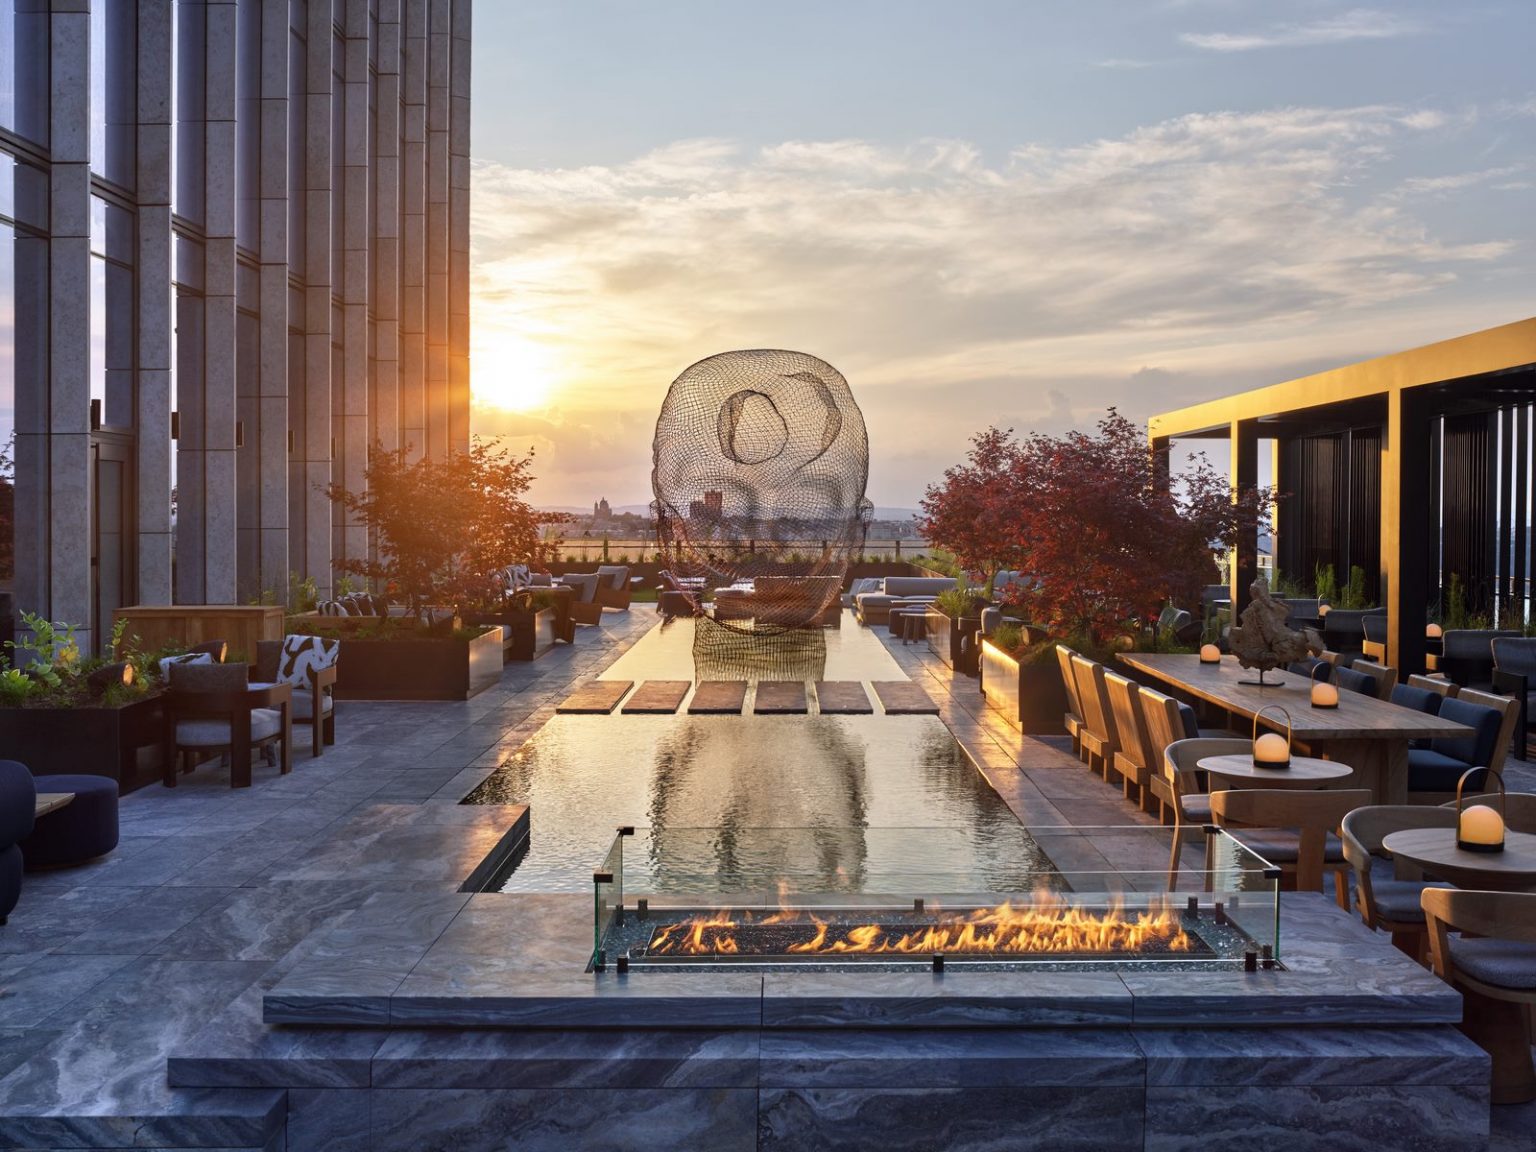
x=1493 y=964
x=1098 y=735
x=1374 y=644
x=1181 y=779
x=1288 y=828
x=214 y=708
x=1383 y=679
x=1386 y=903
x=1467 y=654
x=1161 y=722
x=1514 y=674
x=1509 y=708
x=1351 y=681
x=1073 y=719
x=308 y=665
x=1133 y=754
x=1433 y=772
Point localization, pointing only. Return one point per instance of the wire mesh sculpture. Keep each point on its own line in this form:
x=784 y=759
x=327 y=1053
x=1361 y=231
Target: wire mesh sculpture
x=759 y=467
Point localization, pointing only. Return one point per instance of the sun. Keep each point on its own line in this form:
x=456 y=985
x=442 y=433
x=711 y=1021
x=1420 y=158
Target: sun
x=513 y=372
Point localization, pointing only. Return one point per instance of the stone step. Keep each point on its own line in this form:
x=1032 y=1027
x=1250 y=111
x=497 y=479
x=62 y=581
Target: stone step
x=235 y=1119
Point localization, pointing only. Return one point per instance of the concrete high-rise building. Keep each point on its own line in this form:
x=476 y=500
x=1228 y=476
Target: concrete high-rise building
x=234 y=246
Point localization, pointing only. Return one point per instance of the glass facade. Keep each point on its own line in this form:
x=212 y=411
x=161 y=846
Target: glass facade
x=23 y=310
x=114 y=90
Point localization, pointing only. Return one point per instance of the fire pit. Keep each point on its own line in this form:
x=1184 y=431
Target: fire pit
x=1072 y=907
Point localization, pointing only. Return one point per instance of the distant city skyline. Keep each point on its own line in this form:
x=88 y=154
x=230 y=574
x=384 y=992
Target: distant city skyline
x=992 y=213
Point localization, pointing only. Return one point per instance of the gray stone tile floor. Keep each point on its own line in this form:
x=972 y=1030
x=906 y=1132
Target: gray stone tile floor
x=214 y=894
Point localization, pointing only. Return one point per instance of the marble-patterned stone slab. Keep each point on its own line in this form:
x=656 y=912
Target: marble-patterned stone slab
x=842 y=698
x=1223 y=1057
x=903 y=698
x=718 y=697
x=595 y=698
x=1070 y=1119
x=943 y=1000
x=657 y=697
x=779 y=698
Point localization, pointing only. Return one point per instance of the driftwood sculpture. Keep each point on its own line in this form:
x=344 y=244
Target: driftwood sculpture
x=1263 y=641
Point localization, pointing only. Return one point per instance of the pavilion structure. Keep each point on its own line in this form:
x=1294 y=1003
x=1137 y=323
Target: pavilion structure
x=1412 y=466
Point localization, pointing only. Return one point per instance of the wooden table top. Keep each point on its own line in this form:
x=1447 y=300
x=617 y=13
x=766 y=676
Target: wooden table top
x=1435 y=849
x=50 y=802
x=1358 y=717
x=1304 y=771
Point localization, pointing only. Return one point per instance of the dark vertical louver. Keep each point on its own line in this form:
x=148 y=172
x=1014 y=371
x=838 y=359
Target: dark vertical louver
x=1467 y=512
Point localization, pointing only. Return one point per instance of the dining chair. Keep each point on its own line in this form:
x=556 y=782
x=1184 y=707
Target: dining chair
x=1133 y=753
x=1181 y=780
x=1073 y=719
x=309 y=665
x=1383 y=677
x=1386 y=903
x=1352 y=681
x=214 y=708
x=1493 y=964
x=1097 y=735
x=1510 y=707
x=1294 y=830
x=1433 y=772
x=1374 y=645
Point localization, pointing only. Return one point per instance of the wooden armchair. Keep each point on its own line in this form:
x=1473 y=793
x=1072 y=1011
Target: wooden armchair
x=1098 y=734
x=308 y=665
x=1180 y=782
x=213 y=708
x=1134 y=756
x=1493 y=964
x=1385 y=902
x=1290 y=829
x=1073 y=719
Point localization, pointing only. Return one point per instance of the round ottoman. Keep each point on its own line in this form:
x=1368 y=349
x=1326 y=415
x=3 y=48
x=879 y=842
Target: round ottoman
x=83 y=829
x=17 y=798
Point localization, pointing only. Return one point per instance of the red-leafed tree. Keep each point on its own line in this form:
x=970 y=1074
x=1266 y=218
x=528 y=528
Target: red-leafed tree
x=442 y=527
x=972 y=513
x=1108 y=540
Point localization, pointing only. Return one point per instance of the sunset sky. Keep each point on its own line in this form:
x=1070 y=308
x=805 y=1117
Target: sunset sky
x=994 y=211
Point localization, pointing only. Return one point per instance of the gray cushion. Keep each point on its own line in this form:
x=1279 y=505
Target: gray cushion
x=1352 y=681
x=1419 y=699
x=1515 y=654
x=1505 y=963
x=265 y=723
x=1431 y=771
x=1197 y=806
x=615 y=576
x=1397 y=899
x=1281 y=845
x=303 y=705
x=917 y=585
x=585 y=585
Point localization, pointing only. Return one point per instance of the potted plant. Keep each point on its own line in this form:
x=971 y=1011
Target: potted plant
x=62 y=712
x=952 y=624
x=442 y=528
x=1021 y=678
x=527 y=620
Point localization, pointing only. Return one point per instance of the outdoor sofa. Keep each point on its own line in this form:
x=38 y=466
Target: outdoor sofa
x=875 y=607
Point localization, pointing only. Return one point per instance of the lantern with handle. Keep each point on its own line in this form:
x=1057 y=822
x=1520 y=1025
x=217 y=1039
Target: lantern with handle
x=1324 y=694
x=1479 y=827
x=1272 y=750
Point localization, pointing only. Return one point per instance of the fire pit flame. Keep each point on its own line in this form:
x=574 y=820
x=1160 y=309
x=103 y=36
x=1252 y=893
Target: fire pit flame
x=1048 y=925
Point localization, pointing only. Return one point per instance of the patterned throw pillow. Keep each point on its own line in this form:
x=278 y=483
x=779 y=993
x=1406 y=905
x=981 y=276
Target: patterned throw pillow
x=301 y=654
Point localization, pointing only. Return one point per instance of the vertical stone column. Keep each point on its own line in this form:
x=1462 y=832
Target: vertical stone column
x=385 y=412
x=153 y=270
x=61 y=429
x=413 y=230
x=1245 y=465
x=352 y=541
x=219 y=398
x=272 y=402
x=317 y=296
x=458 y=228
x=439 y=58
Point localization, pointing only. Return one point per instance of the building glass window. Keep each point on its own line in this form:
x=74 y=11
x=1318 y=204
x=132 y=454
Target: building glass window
x=24 y=68
x=23 y=328
x=114 y=90
x=112 y=313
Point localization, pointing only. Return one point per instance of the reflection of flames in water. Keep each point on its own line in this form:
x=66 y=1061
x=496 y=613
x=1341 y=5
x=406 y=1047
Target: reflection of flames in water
x=1048 y=925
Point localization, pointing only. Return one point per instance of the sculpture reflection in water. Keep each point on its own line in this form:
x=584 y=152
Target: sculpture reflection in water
x=758 y=473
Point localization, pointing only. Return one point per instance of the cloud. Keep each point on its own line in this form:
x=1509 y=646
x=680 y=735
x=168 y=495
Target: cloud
x=1356 y=24
x=955 y=289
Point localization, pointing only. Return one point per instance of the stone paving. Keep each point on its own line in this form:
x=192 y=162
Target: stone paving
x=215 y=894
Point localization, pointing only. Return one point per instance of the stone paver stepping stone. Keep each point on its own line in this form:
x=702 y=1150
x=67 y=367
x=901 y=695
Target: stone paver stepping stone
x=780 y=697
x=595 y=697
x=719 y=697
x=843 y=698
x=657 y=697
x=903 y=698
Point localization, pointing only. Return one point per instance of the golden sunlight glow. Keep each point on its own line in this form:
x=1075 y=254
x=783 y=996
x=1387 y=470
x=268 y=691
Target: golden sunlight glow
x=514 y=372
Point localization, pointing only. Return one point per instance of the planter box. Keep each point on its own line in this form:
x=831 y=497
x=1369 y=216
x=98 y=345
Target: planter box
x=238 y=625
x=123 y=743
x=529 y=634
x=1029 y=695
x=425 y=668
x=954 y=641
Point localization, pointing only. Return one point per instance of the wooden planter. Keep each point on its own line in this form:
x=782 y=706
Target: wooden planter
x=1029 y=695
x=418 y=668
x=954 y=641
x=122 y=743
x=529 y=634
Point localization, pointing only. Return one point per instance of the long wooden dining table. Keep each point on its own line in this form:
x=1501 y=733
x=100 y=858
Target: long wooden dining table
x=1369 y=735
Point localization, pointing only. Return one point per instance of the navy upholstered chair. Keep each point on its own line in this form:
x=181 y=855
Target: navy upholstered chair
x=18 y=797
x=1437 y=769
x=1467 y=654
x=1419 y=699
x=1352 y=681
x=1514 y=674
